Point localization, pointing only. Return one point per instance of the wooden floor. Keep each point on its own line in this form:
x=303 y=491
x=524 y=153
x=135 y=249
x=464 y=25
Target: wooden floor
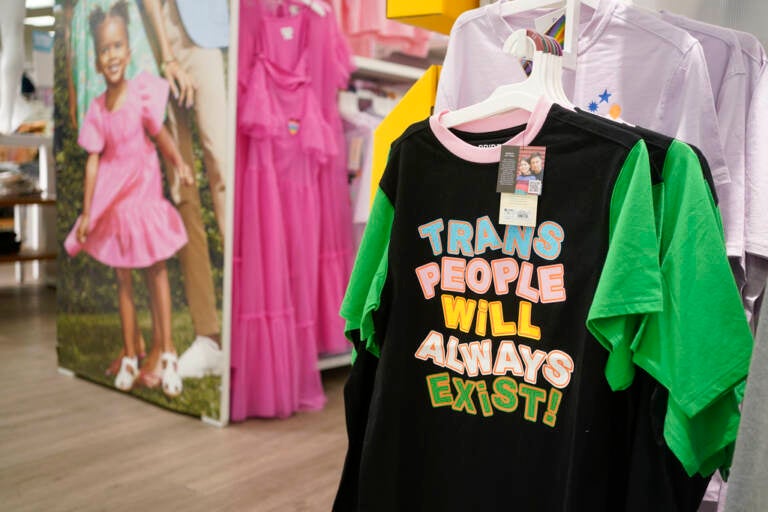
x=70 y=445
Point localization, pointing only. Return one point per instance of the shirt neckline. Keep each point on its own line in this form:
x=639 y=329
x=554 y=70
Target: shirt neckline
x=128 y=86
x=588 y=34
x=466 y=151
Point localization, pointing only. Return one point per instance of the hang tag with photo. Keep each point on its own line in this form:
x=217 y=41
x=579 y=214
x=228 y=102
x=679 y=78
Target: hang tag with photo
x=521 y=170
x=521 y=174
x=505 y=181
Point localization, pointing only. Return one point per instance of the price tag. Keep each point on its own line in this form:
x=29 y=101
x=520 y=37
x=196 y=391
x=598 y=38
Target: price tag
x=287 y=33
x=355 y=154
x=518 y=210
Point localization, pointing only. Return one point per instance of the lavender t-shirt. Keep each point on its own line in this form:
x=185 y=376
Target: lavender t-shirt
x=729 y=82
x=631 y=64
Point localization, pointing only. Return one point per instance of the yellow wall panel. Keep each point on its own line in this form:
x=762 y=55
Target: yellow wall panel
x=415 y=106
x=437 y=15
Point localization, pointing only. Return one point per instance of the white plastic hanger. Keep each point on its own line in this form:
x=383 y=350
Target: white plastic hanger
x=521 y=46
x=521 y=95
x=380 y=105
x=552 y=65
x=348 y=105
x=553 y=71
x=316 y=6
x=572 y=14
x=508 y=8
x=557 y=83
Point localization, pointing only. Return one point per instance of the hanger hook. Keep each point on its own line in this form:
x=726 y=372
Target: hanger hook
x=512 y=44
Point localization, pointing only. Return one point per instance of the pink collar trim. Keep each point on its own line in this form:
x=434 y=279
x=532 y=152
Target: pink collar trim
x=467 y=151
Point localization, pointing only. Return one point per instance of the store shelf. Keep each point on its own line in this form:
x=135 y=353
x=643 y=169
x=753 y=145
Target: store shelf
x=335 y=361
x=381 y=69
x=27 y=255
x=26 y=140
x=26 y=199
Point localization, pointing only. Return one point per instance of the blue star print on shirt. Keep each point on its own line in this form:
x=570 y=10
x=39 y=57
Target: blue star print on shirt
x=593 y=107
x=604 y=97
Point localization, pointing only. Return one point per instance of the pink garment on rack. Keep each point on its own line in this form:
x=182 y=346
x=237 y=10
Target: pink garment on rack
x=368 y=29
x=132 y=225
x=281 y=147
x=330 y=65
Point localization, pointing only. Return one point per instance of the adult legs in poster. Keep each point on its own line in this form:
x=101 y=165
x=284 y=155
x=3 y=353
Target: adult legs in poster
x=195 y=262
x=205 y=67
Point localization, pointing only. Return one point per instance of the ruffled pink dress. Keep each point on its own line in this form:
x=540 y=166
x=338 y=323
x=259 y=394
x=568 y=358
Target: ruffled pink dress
x=132 y=225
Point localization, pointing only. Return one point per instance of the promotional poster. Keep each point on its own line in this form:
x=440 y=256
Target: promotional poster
x=140 y=102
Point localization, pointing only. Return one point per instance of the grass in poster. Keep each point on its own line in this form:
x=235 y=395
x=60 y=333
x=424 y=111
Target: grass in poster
x=90 y=342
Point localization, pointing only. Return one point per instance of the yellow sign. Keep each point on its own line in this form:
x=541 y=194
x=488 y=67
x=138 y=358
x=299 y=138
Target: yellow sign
x=437 y=15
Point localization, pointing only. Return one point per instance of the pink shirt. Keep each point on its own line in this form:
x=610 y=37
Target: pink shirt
x=371 y=34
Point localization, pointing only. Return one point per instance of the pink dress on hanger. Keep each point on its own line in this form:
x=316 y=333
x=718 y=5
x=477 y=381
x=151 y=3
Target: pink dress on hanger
x=132 y=225
x=330 y=65
x=281 y=145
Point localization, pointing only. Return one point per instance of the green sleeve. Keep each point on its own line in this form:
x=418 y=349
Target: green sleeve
x=630 y=283
x=699 y=346
x=363 y=295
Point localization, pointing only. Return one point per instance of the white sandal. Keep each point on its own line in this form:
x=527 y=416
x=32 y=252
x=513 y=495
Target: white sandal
x=172 y=385
x=129 y=372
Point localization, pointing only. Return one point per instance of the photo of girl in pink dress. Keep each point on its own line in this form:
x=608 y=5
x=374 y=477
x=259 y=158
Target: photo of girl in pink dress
x=126 y=223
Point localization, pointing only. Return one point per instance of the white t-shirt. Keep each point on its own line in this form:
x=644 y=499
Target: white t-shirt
x=631 y=64
x=756 y=227
x=358 y=131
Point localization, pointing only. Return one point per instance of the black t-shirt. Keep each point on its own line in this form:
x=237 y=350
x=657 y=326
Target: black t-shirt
x=658 y=480
x=545 y=432
x=657 y=144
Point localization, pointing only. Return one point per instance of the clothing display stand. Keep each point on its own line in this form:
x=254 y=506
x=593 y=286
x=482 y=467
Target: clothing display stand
x=386 y=71
x=34 y=215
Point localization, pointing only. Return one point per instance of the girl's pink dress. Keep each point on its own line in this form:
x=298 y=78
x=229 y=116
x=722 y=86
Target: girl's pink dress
x=131 y=224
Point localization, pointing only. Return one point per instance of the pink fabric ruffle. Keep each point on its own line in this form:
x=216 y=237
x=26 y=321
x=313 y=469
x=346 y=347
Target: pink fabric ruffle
x=135 y=234
x=274 y=366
